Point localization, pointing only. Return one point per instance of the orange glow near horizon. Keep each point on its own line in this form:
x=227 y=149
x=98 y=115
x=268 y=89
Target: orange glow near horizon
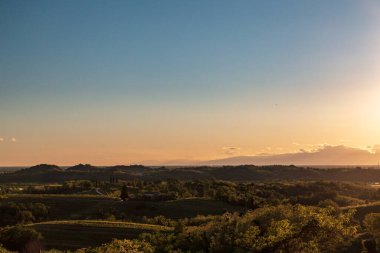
x=244 y=78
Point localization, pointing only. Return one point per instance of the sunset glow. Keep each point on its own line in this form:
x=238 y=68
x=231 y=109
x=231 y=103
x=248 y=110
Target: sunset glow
x=133 y=82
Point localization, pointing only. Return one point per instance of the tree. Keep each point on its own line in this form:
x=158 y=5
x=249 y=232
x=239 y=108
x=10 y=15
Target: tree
x=12 y=213
x=18 y=237
x=124 y=193
x=180 y=227
x=2 y=250
x=121 y=246
x=280 y=229
x=372 y=224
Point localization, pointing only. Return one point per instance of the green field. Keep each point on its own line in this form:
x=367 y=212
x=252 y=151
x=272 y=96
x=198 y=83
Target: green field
x=362 y=211
x=66 y=235
x=63 y=207
x=177 y=209
x=286 y=214
x=71 y=227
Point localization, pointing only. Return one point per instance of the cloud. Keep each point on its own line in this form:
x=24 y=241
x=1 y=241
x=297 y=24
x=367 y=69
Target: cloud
x=13 y=139
x=376 y=149
x=231 y=150
x=1 y=139
x=318 y=147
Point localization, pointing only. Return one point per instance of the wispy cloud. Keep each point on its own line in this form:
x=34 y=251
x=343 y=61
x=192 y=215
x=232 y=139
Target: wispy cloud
x=13 y=139
x=231 y=150
x=1 y=139
x=318 y=146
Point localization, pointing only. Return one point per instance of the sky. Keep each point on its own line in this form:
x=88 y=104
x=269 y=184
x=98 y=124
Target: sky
x=123 y=82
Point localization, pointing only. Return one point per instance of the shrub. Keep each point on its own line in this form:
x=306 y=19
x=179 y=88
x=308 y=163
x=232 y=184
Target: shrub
x=121 y=246
x=18 y=237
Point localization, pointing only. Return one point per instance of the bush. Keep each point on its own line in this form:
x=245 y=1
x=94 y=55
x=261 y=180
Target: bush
x=121 y=246
x=271 y=229
x=12 y=213
x=18 y=237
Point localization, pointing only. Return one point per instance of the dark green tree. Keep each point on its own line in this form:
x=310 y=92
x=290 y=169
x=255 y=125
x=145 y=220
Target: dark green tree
x=18 y=237
x=124 y=193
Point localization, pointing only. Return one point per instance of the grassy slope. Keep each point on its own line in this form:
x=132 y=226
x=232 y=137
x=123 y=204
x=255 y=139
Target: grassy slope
x=63 y=207
x=363 y=210
x=70 y=226
x=177 y=209
x=75 y=234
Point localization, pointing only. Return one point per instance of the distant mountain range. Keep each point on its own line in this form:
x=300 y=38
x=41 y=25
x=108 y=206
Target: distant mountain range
x=45 y=173
x=291 y=166
x=333 y=156
x=328 y=155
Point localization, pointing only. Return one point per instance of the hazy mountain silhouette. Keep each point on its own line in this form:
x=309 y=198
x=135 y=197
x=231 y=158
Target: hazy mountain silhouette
x=82 y=167
x=177 y=162
x=42 y=168
x=129 y=168
x=328 y=155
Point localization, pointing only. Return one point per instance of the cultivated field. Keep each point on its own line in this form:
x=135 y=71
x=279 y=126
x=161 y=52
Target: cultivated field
x=74 y=234
x=88 y=207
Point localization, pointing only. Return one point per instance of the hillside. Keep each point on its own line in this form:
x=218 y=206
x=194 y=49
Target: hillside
x=41 y=168
x=52 y=173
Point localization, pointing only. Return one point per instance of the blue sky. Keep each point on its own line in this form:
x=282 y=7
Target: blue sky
x=87 y=62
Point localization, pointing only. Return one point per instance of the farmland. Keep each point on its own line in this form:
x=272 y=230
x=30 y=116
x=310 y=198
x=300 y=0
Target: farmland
x=76 y=234
x=87 y=215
